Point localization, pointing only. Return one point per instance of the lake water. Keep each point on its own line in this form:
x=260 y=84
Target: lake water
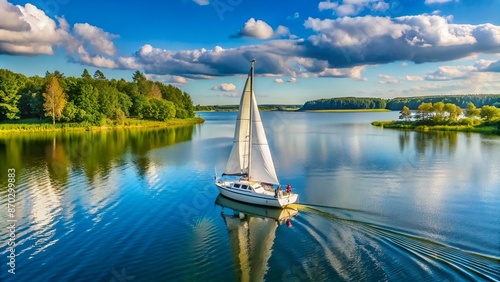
x=140 y=205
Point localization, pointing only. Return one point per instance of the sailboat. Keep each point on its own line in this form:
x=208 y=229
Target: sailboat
x=251 y=160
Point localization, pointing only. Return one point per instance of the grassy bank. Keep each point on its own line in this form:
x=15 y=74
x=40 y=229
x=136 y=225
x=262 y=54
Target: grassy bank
x=348 y=111
x=35 y=125
x=411 y=125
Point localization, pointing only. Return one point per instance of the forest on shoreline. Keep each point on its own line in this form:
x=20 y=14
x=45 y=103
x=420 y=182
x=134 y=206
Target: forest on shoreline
x=377 y=104
x=396 y=104
x=89 y=100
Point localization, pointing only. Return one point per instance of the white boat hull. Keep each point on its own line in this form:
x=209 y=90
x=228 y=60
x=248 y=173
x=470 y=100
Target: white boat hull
x=252 y=197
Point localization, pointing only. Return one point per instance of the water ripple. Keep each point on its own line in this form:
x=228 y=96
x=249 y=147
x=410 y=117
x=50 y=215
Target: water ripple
x=364 y=244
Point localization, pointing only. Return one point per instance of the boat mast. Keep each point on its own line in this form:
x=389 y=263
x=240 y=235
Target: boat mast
x=251 y=120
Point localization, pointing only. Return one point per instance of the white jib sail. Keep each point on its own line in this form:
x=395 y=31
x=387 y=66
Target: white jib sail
x=262 y=166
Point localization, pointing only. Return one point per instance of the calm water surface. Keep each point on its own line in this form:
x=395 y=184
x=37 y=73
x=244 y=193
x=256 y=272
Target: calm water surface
x=140 y=205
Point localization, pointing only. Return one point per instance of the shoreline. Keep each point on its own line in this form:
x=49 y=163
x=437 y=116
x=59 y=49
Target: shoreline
x=310 y=111
x=349 y=111
x=14 y=127
x=405 y=125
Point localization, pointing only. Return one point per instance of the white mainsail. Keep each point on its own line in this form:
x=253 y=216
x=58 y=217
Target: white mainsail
x=254 y=161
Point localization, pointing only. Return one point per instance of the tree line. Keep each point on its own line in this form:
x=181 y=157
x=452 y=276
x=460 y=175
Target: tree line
x=345 y=103
x=89 y=98
x=396 y=104
x=231 y=108
x=440 y=113
x=461 y=101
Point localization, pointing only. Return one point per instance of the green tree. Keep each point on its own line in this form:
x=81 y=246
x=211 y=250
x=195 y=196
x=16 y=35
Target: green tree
x=472 y=111
x=438 y=108
x=425 y=110
x=138 y=76
x=99 y=75
x=31 y=102
x=490 y=113
x=405 y=113
x=188 y=105
x=88 y=101
x=453 y=112
x=10 y=84
x=108 y=101
x=119 y=116
x=55 y=100
x=124 y=103
x=36 y=104
x=86 y=74
x=71 y=112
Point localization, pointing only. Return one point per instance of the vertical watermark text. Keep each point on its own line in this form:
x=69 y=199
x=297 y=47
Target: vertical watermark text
x=11 y=220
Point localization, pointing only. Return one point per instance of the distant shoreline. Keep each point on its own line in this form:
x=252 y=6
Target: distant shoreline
x=349 y=111
x=309 y=111
x=414 y=126
x=29 y=125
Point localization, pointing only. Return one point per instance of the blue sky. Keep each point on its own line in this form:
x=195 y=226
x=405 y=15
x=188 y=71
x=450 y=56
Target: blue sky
x=304 y=49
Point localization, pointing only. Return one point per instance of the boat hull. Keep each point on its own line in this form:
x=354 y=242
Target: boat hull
x=255 y=198
x=278 y=214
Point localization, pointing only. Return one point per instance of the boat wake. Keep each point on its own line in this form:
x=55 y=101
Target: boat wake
x=350 y=249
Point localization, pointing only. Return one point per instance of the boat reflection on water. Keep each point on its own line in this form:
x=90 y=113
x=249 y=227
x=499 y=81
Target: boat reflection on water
x=252 y=230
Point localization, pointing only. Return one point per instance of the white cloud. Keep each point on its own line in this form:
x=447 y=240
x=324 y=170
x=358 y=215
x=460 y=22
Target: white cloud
x=178 y=79
x=226 y=87
x=353 y=31
x=380 y=6
x=91 y=45
x=430 y=2
x=493 y=67
x=173 y=79
x=97 y=38
x=99 y=61
x=476 y=83
x=202 y=2
x=413 y=78
x=340 y=47
x=292 y=80
x=260 y=29
x=481 y=65
x=327 y=5
x=281 y=31
x=278 y=80
x=462 y=72
x=373 y=40
x=354 y=72
x=12 y=17
x=28 y=30
x=387 y=79
x=450 y=72
x=353 y=7
x=256 y=28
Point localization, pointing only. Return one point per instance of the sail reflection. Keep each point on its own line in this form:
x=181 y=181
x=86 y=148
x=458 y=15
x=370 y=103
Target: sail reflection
x=252 y=230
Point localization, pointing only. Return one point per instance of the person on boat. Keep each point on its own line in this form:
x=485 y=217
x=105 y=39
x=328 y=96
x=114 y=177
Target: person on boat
x=276 y=192
x=288 y=188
